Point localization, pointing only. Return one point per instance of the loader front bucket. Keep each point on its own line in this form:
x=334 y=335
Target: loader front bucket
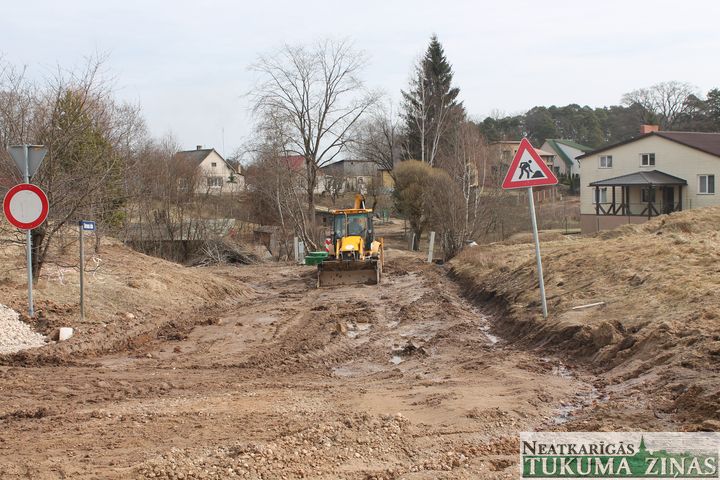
x=347 y=272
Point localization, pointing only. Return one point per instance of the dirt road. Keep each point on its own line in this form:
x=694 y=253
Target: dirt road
x=401 y=380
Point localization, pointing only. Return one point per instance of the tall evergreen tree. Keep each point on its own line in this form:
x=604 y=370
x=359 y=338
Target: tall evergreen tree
x=430 y=105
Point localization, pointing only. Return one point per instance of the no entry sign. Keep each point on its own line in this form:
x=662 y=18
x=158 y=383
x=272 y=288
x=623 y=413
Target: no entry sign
x=25 y=206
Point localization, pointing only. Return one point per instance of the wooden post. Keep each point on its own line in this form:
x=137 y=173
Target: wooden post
x=597 y=200
x=431 y=247
x=680 y=198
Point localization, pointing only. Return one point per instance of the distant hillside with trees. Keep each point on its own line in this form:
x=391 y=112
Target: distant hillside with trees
x=672 y=105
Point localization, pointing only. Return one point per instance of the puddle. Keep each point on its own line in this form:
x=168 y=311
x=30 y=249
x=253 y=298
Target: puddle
x=561 y=371
x=566 y=410
x=355 y=329
x=485 y=327
x=491 y=338
x=356 y=369
x=564 y=413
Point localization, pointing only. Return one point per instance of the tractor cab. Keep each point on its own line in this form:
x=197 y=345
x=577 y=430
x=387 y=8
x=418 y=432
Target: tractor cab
x=352 y=233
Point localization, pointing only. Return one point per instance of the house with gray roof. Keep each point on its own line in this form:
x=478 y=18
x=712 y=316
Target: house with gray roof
x=653 y=174
x=217 y=174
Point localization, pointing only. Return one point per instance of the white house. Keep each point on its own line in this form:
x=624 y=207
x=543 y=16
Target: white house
x=565 y=153
x=218 y=176
x=653 y=174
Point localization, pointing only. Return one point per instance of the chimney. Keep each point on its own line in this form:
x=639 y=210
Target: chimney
x=199 y=147
x=645 y=129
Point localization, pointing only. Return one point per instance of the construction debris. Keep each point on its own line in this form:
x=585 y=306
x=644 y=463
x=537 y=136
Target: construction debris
x=16 y=335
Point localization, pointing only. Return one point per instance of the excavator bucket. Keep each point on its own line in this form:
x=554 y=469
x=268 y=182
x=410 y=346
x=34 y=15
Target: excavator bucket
x=347 y=272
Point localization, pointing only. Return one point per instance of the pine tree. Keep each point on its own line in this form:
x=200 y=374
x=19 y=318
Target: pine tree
x=430 y=105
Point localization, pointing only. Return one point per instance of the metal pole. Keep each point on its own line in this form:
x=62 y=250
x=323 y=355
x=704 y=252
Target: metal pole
x=28 y=241
x=431 y=247
x=82 y=272
x=537 y=252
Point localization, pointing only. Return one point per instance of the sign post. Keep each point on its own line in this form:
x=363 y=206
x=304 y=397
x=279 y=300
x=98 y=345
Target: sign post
x=83 y=225
x=528 y=170
x=28 y=159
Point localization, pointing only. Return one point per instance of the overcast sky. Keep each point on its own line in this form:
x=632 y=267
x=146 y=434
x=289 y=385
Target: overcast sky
x=186 y=62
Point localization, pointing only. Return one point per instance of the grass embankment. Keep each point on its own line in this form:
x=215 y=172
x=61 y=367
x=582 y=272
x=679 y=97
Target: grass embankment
x=660 y=282
x=131 y=298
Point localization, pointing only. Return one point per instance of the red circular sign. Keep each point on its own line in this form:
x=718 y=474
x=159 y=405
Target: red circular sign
x=26 y=206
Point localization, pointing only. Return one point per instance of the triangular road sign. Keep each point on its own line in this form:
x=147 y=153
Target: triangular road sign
x=36 y=154
x=528 y=169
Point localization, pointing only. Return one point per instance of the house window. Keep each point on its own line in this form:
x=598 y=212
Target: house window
x=213 y=164
x=601 y=195
x=647 y=195
x=606 y=161
x=214 y=181
x=647 y=159
x=707 y=184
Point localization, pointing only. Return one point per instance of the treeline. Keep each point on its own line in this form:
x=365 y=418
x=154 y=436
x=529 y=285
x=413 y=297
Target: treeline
x=671 y=105
x=102 y=164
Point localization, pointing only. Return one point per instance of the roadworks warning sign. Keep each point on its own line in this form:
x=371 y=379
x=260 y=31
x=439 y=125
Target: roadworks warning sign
x=528 y=169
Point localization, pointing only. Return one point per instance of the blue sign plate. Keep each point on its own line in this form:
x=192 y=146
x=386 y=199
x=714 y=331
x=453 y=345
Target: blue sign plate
x=87 y=225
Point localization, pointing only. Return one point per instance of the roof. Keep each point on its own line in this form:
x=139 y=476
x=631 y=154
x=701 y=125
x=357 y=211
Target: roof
x=705 y=142
x=572 y=144
x=196 y=157
x=561 y=153
x=651 y=178
x=295 y=162
x=543 y=153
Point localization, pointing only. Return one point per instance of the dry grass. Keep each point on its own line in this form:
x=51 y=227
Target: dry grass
x=659 y=280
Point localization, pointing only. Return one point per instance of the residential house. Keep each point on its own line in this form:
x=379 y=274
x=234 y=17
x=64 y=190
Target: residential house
x=565 y=152
x=351 y=175
x=218 y=175
x=649 y=175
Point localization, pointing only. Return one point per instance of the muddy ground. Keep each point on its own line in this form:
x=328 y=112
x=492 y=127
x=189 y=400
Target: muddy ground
x=402 y=380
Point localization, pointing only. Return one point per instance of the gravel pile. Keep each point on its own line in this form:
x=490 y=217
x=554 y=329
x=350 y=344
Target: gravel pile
x=16 y=335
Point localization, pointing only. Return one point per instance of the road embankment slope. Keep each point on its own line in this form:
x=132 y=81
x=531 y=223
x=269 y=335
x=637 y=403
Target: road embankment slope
x=659 y=325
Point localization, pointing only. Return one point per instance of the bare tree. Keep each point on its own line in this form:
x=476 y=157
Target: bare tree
x=316 y=94
x=378 y=138
x=663 y=102
x=417 y=109
x=86 y=132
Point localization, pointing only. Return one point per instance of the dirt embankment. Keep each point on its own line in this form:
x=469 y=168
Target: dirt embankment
x=659 y=329
x=131 y=299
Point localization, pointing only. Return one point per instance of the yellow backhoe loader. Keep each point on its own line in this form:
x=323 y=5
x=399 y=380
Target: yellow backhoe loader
x=354 y=256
